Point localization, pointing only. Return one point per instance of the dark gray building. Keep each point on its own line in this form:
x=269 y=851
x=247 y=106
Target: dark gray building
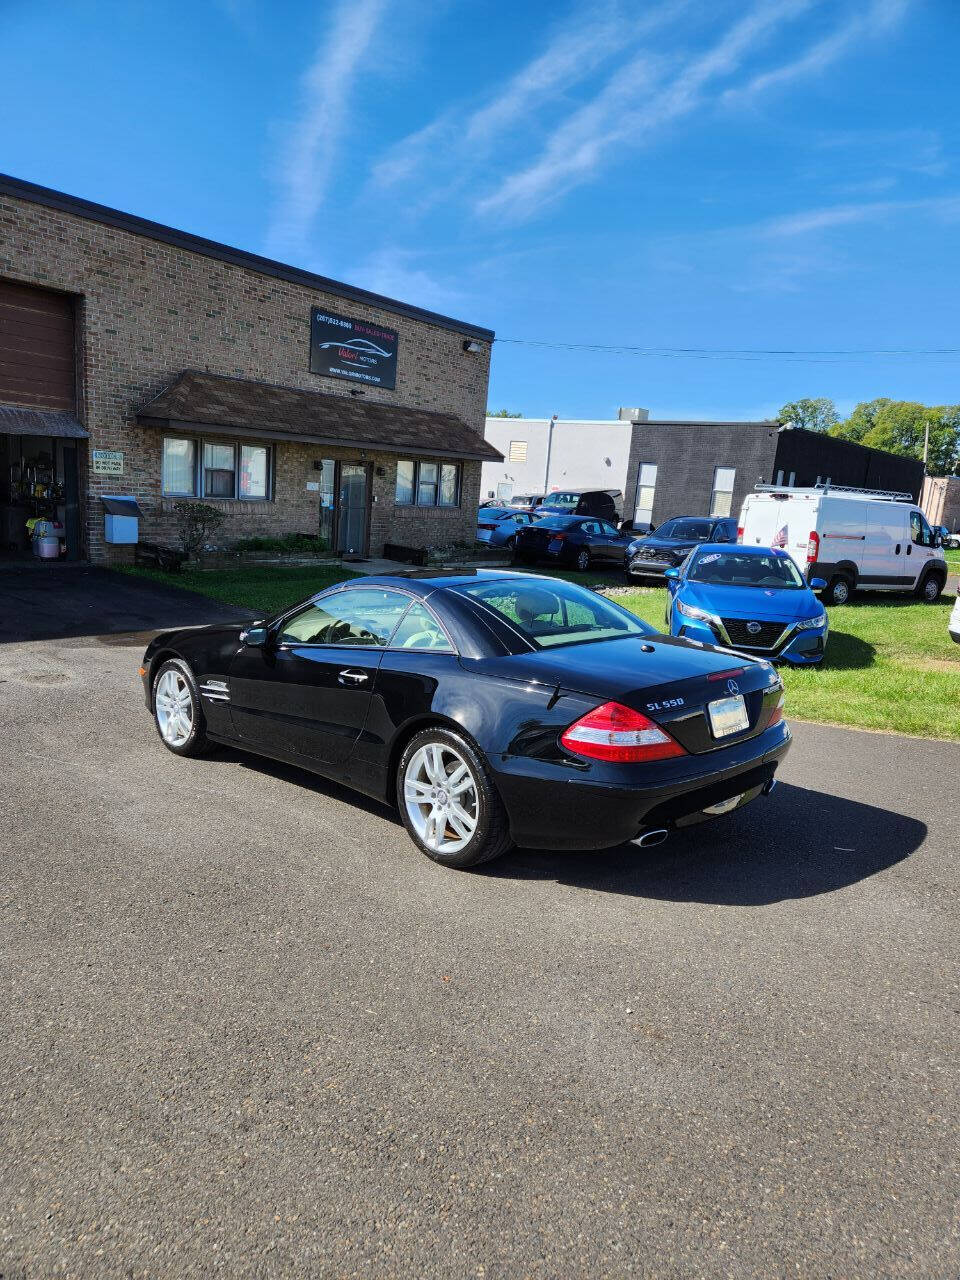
x=708 y=468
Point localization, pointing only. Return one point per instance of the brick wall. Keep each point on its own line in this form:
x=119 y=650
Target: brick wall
x=148 y=310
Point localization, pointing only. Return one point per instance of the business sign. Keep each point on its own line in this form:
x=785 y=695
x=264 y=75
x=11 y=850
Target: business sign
x=354 y=349
x=107 y=462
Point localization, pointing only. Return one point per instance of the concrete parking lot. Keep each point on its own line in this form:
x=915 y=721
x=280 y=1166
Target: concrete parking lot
x=251 y=1031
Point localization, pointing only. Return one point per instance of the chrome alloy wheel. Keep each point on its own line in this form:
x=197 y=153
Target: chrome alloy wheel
x=441 y=797
x=174 y=705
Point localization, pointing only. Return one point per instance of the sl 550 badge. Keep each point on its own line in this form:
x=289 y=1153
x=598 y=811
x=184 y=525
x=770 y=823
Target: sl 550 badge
x=667 y=705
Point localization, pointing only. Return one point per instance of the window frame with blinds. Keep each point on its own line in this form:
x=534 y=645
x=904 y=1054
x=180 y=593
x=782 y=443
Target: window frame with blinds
x=173 y=482
x=428 y=482
x=723 y=491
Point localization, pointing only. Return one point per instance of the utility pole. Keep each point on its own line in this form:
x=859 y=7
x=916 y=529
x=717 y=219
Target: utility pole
x=546 y=473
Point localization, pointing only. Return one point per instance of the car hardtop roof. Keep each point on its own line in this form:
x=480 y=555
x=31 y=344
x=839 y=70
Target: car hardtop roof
x=573 y=489
x=421 y=582
x=708 y=519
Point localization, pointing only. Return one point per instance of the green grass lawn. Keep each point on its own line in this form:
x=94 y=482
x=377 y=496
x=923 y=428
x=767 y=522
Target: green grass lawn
x=264 y=589
x=890 y=662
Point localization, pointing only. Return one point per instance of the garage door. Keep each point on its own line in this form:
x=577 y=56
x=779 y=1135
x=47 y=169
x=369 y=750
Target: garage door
x=36 y=348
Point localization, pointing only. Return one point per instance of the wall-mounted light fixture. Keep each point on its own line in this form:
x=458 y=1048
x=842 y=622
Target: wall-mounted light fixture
x=472 y=348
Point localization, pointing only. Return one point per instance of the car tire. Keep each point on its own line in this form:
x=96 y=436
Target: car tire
x=583 y=560
x=511 y=544
x=928 y=589
x=177 y=710
x=838 y=591
x=481 y=832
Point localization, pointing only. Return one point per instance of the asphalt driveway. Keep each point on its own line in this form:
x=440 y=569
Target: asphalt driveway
x=250 y=1031
x=40 y=601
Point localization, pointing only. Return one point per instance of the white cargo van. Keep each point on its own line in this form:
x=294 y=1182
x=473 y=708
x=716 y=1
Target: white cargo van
x=852 y=538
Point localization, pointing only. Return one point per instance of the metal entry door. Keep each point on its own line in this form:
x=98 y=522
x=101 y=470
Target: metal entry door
x=353 y=502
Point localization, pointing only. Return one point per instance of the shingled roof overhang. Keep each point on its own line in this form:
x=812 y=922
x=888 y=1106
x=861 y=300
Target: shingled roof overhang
x=208 y=402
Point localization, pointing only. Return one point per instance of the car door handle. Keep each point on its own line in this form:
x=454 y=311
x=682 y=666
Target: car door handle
x=897 y=549
x=353 y=677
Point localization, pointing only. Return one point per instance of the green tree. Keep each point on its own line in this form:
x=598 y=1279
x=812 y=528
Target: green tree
x=899 y=426
x=819 y=414
x=502 y=413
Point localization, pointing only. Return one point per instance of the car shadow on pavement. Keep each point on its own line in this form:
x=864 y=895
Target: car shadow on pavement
x=305 y=780
x=795 y=844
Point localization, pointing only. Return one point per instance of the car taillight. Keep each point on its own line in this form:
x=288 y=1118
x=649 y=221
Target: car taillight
x=614 y=732
x=486 y=526
x=740 y=534
x=559 y=537
x=813 y=547
x=776 y=715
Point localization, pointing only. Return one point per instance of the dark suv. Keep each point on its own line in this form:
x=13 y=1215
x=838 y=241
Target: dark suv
x=670 y=544
x=606 y=504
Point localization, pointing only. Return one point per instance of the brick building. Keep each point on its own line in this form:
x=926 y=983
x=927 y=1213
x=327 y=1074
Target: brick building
x=141 y=361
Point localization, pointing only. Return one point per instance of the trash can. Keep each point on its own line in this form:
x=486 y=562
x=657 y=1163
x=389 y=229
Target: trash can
x=121 y=519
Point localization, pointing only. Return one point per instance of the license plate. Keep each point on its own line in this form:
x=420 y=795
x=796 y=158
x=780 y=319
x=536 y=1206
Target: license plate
x=725 y=805
x=728 y=715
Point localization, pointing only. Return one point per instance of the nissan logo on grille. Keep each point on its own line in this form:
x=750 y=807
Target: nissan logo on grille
x=754 y=628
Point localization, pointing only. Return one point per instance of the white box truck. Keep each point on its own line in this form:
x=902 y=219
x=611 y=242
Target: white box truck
x=855 y=539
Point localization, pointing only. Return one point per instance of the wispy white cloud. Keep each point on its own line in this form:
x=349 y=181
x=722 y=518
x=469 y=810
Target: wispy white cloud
x=311 y=149
x=460 y=139
x=875 y=21
x=618 y=114
x=840 y=215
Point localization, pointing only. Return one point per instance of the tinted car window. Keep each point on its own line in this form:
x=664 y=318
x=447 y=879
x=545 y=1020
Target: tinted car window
x=609 y=531
x=562 y=501
x=420 y=630
x=362 y=617
x=741 y=569
x=686 y=530
x=556 y=615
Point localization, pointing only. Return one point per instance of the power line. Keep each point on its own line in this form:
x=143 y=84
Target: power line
x=937 y=355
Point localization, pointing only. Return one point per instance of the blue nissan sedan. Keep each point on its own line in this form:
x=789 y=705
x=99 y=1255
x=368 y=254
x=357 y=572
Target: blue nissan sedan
x=750 y=598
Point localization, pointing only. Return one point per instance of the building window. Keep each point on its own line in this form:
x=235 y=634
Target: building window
x=646 y=489
x=227 y=470
x=723 y=482
x=254 y=467
x=180 y=468
x=406 y=477
x=427 y=484
x=219 y=470
x=518 y=450
x=449 y=485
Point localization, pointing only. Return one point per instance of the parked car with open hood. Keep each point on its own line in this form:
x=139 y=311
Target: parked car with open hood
x=605 y=503
x=753 y=599
x=670 y=544
x=576 y=541
x=490 y=707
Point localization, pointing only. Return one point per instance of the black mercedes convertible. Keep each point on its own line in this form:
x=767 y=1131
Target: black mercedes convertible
x=492 y=708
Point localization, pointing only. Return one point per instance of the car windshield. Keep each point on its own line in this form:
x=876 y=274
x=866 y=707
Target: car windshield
x=562 y=501
x=686 y=530
x=550 y=613
x=557 y=522
x=741 y=569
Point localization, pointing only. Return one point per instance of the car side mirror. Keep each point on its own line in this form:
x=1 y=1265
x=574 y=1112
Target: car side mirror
x=255 y=637
x=672 y=575
x=938 y=540
x=817 y=584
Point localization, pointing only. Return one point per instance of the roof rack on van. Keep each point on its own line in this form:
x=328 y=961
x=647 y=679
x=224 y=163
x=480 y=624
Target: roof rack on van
x=888 y=495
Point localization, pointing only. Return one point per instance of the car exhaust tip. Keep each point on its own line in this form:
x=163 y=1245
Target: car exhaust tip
x=650 y=839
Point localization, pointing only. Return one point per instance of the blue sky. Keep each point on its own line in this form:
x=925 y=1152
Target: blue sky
x=679 y=174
